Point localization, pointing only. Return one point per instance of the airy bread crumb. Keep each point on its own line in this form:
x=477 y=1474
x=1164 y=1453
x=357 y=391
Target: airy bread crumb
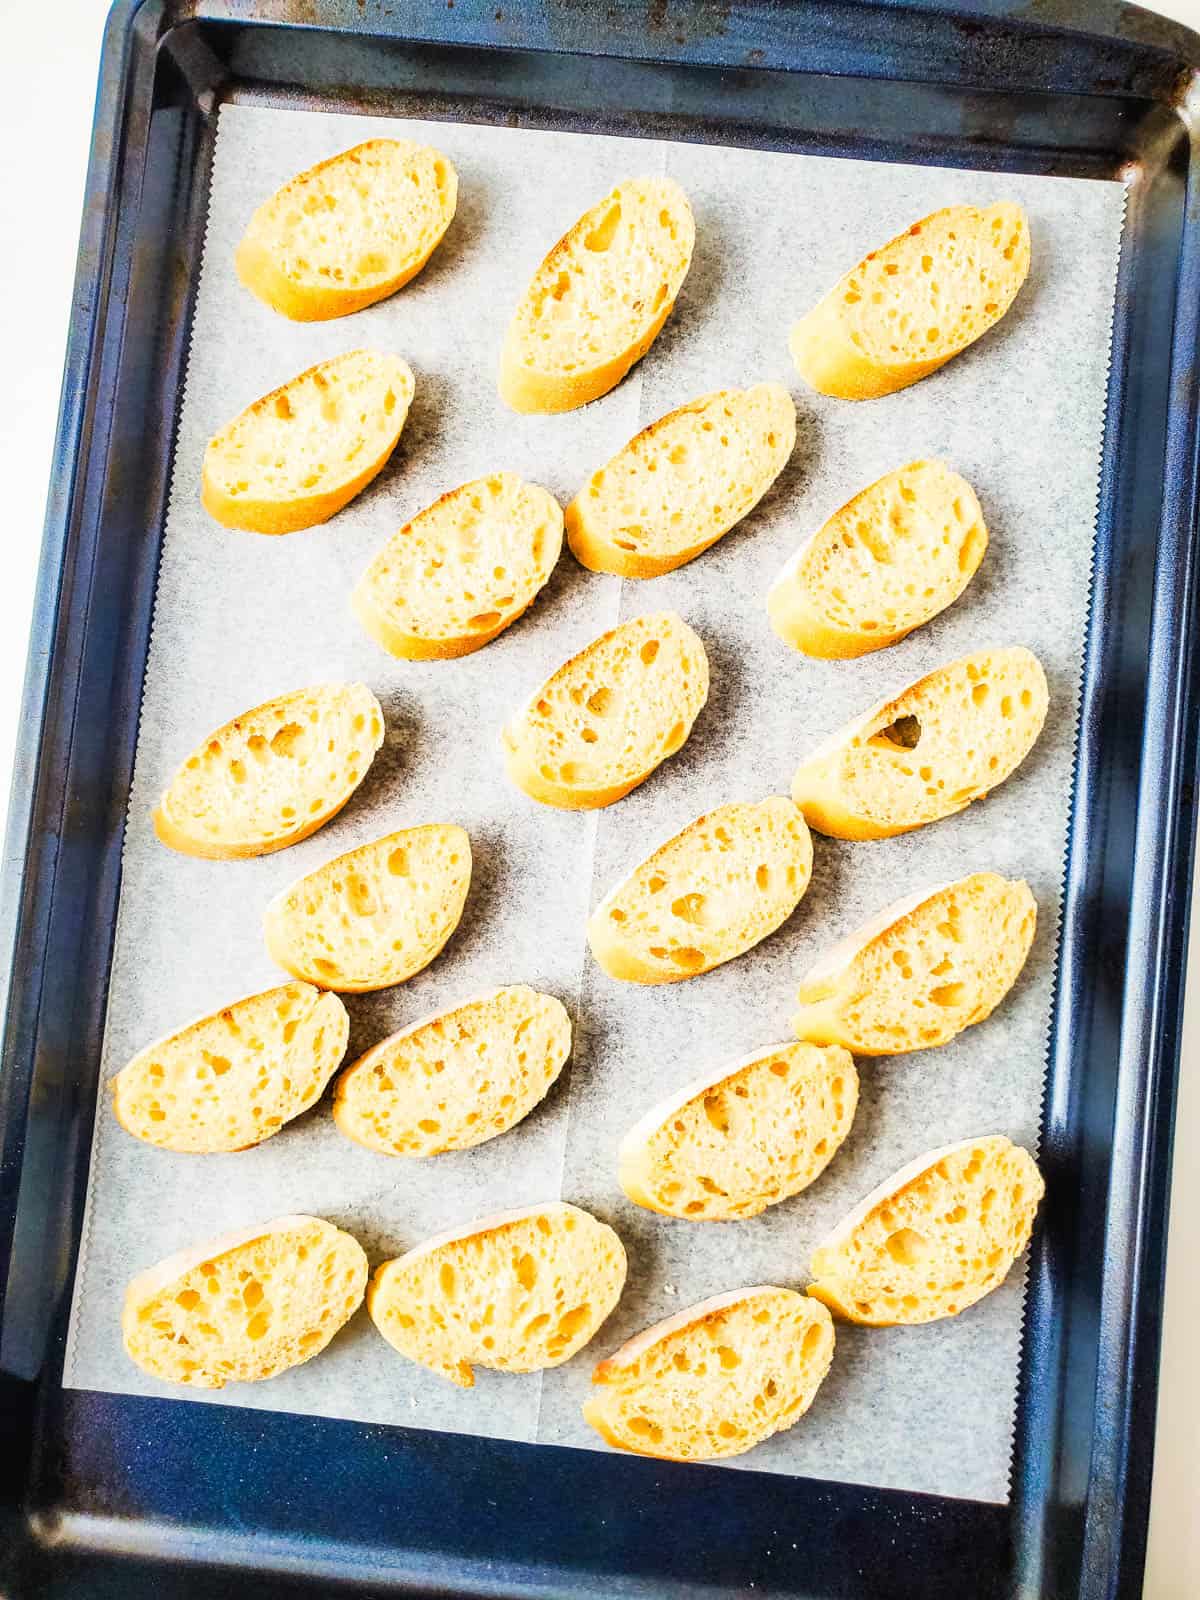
x=683 y=482
x=944 y=741
x=911 y=305
x=376 y=915
x=597 y=302
x=245 y=1306
x=452 y=1080
x=232 y=1079
x=934 y=1238
x=715 y=1380
x=922 y=970
x=274 y=775
x=350 y=230
x=712 y=892
x=517 y=1292
x=609 y=716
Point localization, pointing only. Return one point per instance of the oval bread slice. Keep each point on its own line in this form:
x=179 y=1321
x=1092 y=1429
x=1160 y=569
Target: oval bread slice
x=375 y=916
x=683 y=482
x=612 y=714
x=452 y=1080
x=922 y=970
x=742 y=1138
x=462 y=570
x=934 y=1238
x=302 y=452
x=232 y=1079
x=517 y=1291
x=911 y=305
x=893 y=557
x=712 y=892
x=274 y=775
x=245 y=1306
x=350 y=230
x=597 y=302
x=716 y=1379
x=948 y=739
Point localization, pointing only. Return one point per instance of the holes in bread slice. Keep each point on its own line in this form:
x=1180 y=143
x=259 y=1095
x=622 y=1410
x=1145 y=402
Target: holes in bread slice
x=902 y=734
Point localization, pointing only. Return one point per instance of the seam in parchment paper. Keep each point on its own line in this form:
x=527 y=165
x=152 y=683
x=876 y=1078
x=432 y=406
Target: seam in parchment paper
x=238 y=618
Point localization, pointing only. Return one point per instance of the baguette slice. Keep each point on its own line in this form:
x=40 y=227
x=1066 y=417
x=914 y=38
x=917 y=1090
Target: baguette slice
x=712 y=892
x=922 y=970
x=946 y=740
x=935 y=1238
x=232 y=1079
x=375 y=916
x=683 y=482
x=716 y=1379
x=612 y=714
x=911 y=305
x=893 y=557
x=273 y=775
x=245 y=1306
x=462 y=570
x=517 y=1291
x=597 y=302
x=741 y=1139
x=349 y=231
x=302 y=452
x=455 y=1079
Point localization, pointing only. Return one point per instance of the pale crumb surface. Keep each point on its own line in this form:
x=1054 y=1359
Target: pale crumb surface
x=376 y=915
x=248 y=1312
x=683 y=482
x=458 y=1078
x=895 y=555
x=463 y=569
x=275 y=773
x=520 y=1296
x=711 y=893
x=934 y=971
x=712 y=1383
x=234 y=1078
x=935 y=1243
x=733 y=1144
x=943 y=742
x=611 y=714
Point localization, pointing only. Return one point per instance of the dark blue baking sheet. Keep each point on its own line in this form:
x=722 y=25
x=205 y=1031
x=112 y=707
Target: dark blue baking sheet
x=105 y=1495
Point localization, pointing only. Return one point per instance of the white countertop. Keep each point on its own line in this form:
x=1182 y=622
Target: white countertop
x=47 y=79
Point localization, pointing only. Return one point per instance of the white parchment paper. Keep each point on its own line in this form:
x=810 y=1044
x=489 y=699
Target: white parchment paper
x=239 y=618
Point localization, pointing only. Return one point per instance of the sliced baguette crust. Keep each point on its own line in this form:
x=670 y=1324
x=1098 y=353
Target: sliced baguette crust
x=921 y=971
x=715 y=1380
x=975 y=720
x=934 y=1238
x=349 y=231
x=376 y=915
x=323 y=436
x=893 y=557
x=517 y=1291
x=712 y=892
x=462 y=570
x=609 y=716
x=911 y=305
x=597 y=302
x=740 y=1139
x=232 y=1079
x=244 y=1306
x=269 y=778
x=683 y=482
x=455 y=1079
